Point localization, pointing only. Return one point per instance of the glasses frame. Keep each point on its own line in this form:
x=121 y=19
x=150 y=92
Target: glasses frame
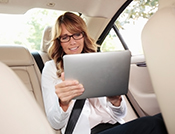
x=59 y=38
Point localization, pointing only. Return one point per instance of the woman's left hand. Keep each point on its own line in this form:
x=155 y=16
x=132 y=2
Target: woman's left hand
x=115 y=100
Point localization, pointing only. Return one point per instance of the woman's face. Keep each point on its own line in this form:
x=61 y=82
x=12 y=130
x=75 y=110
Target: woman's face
x=72 y=46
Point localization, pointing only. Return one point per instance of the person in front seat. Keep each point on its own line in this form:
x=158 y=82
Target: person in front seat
x=70 y=36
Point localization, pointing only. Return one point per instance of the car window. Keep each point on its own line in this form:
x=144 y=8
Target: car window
x=111 y=42
x=26 y=29
x=130 y=24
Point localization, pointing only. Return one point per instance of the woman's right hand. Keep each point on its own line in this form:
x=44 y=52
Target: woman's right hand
x=67 y=90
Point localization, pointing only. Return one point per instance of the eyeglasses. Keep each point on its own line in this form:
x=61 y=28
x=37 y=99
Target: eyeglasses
x=66 y=38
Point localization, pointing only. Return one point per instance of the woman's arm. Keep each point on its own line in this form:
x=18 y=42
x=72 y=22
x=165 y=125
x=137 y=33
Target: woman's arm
x=56 y=116
x=118 y=106
x=57 y=95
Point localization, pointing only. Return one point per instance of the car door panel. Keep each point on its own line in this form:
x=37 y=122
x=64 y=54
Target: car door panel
x=141 y=93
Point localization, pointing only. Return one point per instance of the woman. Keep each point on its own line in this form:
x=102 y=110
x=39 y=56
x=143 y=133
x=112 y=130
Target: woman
x=70 y=36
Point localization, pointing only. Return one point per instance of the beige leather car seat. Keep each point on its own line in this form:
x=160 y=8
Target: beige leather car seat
x=45 y=43
x=19 y=112
x=20 y=60
x=159 y=48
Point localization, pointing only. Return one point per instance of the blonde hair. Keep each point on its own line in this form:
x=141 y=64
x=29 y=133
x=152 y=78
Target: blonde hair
x=73 y=24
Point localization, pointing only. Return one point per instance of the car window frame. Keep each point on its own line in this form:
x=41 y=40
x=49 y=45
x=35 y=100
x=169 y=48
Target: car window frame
x=111 y=25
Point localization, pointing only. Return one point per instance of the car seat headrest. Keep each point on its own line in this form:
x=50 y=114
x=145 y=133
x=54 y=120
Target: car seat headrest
x=46 y=38
x=13 y=55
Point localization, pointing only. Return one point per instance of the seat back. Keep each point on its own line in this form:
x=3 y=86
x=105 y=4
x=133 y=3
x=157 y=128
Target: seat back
x=159 y=48
x=20 y=60
x=19 y=112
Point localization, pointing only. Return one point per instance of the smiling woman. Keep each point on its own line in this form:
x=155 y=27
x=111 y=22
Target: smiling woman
x=58 y=92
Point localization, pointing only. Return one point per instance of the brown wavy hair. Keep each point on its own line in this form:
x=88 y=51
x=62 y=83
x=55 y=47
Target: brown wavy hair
x=73 y=24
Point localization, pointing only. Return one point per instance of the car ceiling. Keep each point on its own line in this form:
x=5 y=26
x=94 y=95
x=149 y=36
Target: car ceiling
x=93 y=8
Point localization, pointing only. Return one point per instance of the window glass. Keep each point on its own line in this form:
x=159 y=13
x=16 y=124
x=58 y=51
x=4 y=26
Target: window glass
x=26 y=29
x=111 y=43
x=130 y=24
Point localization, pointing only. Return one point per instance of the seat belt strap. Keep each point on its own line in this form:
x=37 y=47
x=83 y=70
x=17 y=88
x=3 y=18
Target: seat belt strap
x=76 y=111
x=38 y=60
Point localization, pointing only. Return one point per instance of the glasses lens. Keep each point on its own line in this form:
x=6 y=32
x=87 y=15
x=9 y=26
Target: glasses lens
x=64 y=38
x=77 y=36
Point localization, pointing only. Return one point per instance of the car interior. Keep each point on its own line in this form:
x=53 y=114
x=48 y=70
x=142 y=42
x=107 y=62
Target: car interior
x=152 y=74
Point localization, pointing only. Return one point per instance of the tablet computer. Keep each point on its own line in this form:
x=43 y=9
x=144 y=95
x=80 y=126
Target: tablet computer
x=101 y=73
